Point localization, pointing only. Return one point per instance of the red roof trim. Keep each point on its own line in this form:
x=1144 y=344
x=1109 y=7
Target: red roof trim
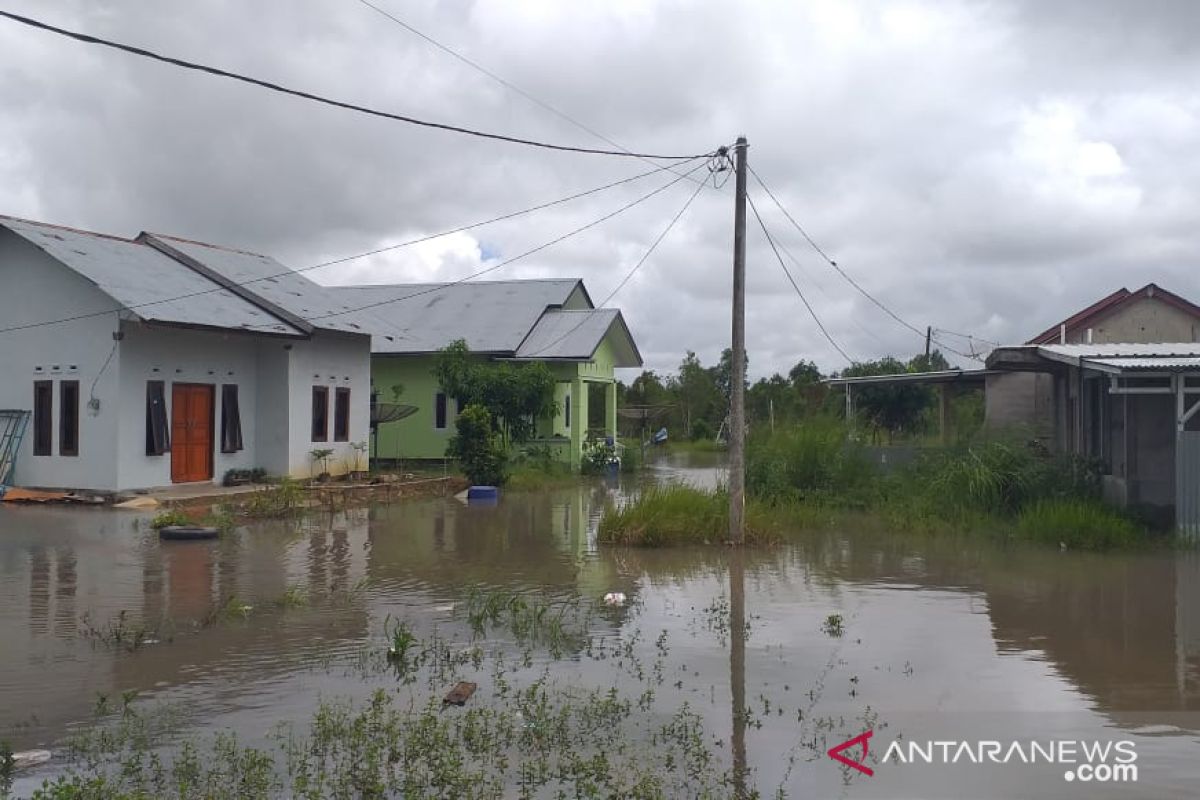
x=1113 y=301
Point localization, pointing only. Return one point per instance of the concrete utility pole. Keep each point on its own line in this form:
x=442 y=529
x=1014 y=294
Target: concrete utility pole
x=737 y=388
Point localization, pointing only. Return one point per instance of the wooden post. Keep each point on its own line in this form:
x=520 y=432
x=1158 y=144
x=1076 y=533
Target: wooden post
x=737 y=409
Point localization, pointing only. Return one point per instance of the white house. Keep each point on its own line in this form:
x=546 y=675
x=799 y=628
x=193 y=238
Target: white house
x=157 y=360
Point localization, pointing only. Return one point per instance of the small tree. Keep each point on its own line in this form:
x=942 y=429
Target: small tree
x=515 y=396
x=477 y=447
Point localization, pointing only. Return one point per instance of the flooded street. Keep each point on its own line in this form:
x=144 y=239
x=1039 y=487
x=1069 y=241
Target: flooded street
x=916 y=639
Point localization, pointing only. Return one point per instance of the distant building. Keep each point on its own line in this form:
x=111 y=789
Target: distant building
x=551 y=321
x=1150 y=314
x=1118 y=382
x=156 y=360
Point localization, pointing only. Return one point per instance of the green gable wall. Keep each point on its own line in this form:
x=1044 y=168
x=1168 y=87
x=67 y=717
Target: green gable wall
x=416 y=437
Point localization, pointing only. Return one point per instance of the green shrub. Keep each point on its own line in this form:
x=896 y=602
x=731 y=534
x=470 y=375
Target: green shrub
x=170 y=517
x=597 y=457
x=280 y=500
x=811 y=461
x=701 y=429
x=1077 y=524
x=477 y=447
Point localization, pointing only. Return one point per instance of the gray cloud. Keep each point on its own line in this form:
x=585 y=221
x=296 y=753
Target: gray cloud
x=983 y=167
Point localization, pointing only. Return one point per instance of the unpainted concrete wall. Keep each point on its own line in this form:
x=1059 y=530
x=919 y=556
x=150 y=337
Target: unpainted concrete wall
x=1144 y=320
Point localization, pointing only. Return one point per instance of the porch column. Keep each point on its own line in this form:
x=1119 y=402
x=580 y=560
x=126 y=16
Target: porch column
x=610 y=409
x=579 y=415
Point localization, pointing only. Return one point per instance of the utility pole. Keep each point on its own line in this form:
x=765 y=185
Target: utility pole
x=928 y=338
x=737 y=393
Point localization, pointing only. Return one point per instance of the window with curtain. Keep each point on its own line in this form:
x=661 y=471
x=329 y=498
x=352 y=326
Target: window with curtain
x=231 y=419
x=158 y=431
x=320 y=414
x=68 y=418
x=341 y=414
x=43 y=418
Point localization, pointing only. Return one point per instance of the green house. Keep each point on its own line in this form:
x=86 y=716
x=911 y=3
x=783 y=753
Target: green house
x=552 y=321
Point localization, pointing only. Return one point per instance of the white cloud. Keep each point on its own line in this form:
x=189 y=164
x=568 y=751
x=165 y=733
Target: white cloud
x=982 y=167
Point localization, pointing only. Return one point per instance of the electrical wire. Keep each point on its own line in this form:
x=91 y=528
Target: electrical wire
x=629 y=274
x=796 y=286
x=518 y=257
x=275 y=87
x=829 y=260
x=342 y=259
x=509 y=84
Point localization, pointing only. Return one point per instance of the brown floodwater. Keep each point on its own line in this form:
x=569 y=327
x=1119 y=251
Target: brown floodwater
x=941 y=639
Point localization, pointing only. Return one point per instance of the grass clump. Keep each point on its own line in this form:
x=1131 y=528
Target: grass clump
x=679 y=514
x=667 y=514
x=169 y=518
x=1077 y=524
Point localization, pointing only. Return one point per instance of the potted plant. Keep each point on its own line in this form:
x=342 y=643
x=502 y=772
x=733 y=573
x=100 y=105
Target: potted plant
x=322 y=455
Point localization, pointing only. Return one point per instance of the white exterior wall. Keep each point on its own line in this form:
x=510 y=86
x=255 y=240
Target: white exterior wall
x=332 y=360
x=275 y=376
x=36 y=288
x=184 y=356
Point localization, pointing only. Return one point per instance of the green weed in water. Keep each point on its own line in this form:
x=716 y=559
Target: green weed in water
x=1077 y=524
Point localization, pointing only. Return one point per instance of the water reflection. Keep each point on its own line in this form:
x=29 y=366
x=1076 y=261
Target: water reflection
x=953 y=625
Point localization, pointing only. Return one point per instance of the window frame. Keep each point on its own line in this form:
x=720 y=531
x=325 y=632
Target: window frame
x=231 y=440
x=441 y=411
x=161 y=420
x=68 y=418
x=341 y=414
x=323 y=393
x=43 y=418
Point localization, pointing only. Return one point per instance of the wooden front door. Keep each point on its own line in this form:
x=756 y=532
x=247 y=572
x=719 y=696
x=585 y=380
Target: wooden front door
x=191 y=432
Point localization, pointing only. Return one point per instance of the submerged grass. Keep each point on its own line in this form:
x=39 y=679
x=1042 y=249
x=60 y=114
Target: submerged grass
x=679 y=514
x=810 y=477
x=1076 y=524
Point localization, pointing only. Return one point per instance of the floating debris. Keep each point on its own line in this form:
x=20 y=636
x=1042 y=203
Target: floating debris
x=460 y=694
x=614 y=599
x=30 y=758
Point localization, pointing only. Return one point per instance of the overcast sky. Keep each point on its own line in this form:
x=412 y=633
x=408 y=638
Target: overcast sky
x=983 y=167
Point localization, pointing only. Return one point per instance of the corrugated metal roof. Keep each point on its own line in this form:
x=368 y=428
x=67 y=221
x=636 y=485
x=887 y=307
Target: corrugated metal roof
x=570 y=335
x=492 y=316
x=153 y=286
x=1148 y=364
x=1122 y=350
x=322 y=306
x=939 y=376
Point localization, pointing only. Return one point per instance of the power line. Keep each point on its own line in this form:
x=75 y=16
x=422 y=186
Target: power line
x=343 y=259
x=631 y=272
x=509 y=84
x=275 y=87
x=520 y=256
x=795 y=285
x=828 y=259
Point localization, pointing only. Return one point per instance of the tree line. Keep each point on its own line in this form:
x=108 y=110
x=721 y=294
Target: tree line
x=693 y=402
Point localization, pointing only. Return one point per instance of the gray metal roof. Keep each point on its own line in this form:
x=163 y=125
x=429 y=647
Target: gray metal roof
x=492 y=316
x=1148 y=364
x=322 y=306
x=941 y=376
x=1114 y=357
x=153 y=286
x=575 y=335
x=1120 y=350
